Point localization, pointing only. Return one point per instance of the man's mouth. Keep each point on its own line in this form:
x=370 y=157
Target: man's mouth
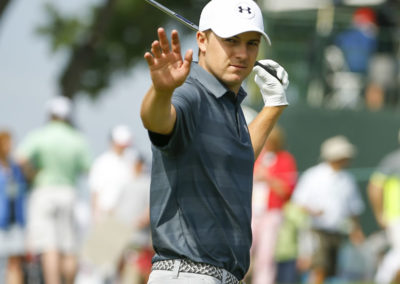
x=239 y=66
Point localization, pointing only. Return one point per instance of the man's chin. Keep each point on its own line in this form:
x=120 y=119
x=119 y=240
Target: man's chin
x=236 y=79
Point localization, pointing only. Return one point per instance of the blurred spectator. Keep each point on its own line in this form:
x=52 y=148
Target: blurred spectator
x=110 y=175
x=287 y=247
x=120 y=187
x=134 y=210
x=358 y=43
x=275 y=175
x=347 y=60
x=384 y=194
x=383 y=81
x=12 y=211
x=111 y=172
x=330 y=195
x=58 y=154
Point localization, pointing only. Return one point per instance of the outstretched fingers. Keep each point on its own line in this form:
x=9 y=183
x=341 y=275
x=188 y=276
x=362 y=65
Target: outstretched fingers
x=175 y=42
x=188 y=59
x=164 y=43
x=155 y=49
x=149 y=58
x=161 y=54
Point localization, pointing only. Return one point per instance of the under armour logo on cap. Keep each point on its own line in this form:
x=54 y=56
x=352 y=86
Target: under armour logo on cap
x=245 y=11
x=241 y=9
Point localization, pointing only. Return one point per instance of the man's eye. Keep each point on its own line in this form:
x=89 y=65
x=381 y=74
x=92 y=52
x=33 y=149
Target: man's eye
x=230 y=40
x=253 y=43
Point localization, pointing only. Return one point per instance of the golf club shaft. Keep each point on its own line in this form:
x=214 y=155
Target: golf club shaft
x=171 y=13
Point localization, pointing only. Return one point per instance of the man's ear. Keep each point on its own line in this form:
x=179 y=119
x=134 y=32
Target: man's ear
x=202 y=41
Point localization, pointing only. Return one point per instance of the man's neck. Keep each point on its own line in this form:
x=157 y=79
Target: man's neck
x=235 y=90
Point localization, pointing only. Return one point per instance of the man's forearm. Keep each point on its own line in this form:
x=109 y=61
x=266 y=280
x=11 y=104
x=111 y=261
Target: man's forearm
x=157 y=113
x=376 y=199
x=262 y=125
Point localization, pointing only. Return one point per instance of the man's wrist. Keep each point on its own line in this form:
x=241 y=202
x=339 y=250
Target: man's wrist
x=275 y=100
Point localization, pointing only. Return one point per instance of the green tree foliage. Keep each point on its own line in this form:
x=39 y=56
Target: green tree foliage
x=109 y=41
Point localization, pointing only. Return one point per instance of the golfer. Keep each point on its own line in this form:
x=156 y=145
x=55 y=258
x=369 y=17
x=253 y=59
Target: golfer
x=203 y=150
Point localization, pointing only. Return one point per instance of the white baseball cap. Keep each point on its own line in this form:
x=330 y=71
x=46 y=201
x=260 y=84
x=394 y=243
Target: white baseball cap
x=60 y=107
x=337 y=148
x=121 y=135
x=227 y=18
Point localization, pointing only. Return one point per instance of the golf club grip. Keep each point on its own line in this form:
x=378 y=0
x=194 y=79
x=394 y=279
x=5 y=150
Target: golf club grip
x=269 y=69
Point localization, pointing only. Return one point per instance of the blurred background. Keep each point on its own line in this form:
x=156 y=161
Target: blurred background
x=342 y=56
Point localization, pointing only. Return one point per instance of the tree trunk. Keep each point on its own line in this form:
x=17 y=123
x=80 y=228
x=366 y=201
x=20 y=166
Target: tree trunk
x=82 y=54
x=3 y=6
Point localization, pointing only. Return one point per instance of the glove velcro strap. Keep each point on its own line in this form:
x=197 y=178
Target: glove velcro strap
x=275 y=100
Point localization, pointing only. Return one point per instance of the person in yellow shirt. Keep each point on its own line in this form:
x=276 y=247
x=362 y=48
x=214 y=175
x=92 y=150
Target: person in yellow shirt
x=384 y=195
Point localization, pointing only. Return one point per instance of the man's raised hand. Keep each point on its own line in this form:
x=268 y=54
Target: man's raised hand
x=167 y=68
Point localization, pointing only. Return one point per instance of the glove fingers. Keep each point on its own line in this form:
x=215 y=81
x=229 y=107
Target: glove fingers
x=272 y=88
x=269 y=62
x=280 y=71
x=283 y=76
x=285 y=80
x=263 y=74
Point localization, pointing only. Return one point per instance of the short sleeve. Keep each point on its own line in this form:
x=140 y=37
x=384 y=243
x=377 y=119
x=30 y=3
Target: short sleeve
x=356 y=203
x=186 y=101
x=301 y=194
x=95 y=180
x=390 y=164
x=28 y=149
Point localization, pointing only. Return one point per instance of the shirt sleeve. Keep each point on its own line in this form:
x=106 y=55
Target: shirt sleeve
x=95 y=180
x=186 y=101
x=390 y=164
x=301 y=194
x=28 y=149
x=287 y=171
x=356 y=203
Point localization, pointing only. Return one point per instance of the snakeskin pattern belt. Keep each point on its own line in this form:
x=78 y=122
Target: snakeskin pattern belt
x=197 y=268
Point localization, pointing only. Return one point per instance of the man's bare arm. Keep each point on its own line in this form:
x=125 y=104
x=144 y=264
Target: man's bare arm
x=262 y=125
x=157 y=113
x=375 y=196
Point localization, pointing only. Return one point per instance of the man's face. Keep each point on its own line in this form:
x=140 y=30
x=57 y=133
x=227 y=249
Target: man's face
x=230 y=60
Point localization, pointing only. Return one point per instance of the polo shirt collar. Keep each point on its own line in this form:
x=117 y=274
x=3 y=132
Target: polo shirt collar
x=211 y=83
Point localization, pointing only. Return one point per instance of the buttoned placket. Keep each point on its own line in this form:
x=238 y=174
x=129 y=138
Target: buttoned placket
x=233 y=98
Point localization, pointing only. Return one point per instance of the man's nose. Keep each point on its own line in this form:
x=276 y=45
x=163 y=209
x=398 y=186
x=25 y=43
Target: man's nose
x=241 y=50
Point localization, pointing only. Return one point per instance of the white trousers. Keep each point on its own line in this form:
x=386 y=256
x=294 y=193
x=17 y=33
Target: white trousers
x=391 y=262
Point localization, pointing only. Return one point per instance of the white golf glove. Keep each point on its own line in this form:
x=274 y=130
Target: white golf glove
x=272 y=89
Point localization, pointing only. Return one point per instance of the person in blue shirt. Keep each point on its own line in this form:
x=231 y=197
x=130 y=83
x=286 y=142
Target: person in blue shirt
x=12 y=211
x=359 y=43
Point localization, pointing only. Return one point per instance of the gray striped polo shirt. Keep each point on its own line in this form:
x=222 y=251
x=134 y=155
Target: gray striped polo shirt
x=202 y=178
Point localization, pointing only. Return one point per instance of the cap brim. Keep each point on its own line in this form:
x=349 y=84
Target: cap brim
x=243 y=29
